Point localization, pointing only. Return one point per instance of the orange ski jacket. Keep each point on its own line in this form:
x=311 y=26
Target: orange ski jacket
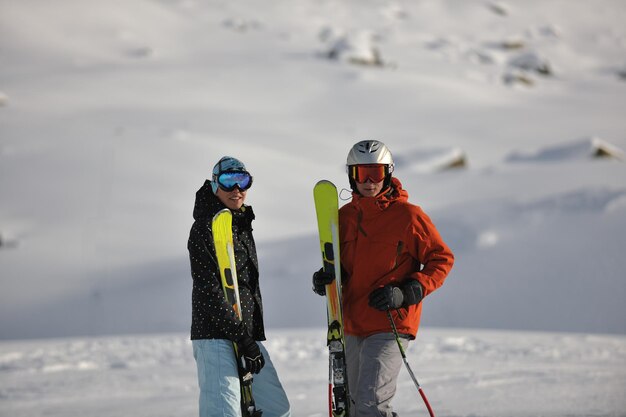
x=387 y=240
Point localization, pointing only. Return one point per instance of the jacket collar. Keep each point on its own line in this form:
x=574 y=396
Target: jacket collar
x=372 y=205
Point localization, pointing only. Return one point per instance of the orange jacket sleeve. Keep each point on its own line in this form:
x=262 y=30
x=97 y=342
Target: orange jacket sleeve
x=430 y=249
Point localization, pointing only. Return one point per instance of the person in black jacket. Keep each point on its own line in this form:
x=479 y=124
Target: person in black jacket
x=215 y=325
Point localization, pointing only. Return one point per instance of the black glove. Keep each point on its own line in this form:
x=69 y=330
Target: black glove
x=252 y=356
x=413 y=292
x=386 y=298
x=391 y=296
x=320 y=280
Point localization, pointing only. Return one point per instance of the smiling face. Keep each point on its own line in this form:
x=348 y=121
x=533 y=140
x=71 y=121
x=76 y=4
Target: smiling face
x=232 y=199
x=369 y=188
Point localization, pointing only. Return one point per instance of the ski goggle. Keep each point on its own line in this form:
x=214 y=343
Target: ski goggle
x=373 y=172
x=229 y=180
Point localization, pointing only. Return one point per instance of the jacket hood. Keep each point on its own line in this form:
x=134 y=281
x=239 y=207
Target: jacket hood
x=390 y=195
x=207 y=205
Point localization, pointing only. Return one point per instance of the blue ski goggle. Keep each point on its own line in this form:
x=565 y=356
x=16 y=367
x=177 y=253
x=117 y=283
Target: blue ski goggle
x=229 y=180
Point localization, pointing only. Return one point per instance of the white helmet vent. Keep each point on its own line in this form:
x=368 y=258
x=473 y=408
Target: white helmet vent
x=369 y=152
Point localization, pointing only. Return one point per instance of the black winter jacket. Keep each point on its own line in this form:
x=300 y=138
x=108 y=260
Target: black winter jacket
x=212 y=316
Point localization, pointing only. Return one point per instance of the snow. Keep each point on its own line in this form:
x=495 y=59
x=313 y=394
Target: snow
x=463 y=372
x=506 y=122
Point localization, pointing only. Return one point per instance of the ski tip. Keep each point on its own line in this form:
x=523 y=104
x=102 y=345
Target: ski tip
x=224 y=211
x=326 y=197
x=324 y=182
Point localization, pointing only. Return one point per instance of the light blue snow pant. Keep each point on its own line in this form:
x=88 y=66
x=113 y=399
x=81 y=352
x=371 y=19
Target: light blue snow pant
x=373 y=363
x=220 y=394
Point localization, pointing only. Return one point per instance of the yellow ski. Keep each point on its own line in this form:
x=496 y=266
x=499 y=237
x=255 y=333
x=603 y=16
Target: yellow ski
x=222 y=227
x=327 y=209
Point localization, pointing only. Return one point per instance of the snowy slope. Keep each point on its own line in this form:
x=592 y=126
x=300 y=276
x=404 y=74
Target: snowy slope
x=462 y=372
x=113 y=113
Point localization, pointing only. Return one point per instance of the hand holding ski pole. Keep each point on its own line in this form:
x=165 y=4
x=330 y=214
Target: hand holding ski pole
x=386 y=298
x=393 y=296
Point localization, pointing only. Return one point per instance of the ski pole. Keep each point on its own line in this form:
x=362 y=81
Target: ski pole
x=330 y=387
x=406 y=363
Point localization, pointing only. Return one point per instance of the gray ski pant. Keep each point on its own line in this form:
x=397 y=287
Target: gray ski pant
x=373 y=363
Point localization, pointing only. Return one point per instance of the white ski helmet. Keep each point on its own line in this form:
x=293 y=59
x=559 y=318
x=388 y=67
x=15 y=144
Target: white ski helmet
x=370 y=152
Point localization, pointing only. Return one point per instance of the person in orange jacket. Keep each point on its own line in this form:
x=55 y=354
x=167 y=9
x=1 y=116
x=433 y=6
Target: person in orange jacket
x=392 y=256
